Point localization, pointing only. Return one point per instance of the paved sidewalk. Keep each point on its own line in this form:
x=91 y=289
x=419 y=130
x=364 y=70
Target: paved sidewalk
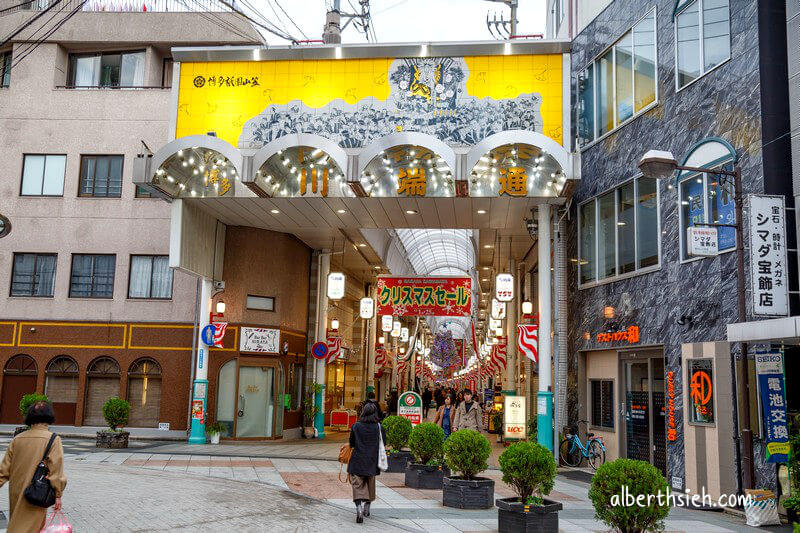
x=316 y=479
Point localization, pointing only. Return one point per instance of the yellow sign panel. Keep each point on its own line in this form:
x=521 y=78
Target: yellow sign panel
x=460 y=100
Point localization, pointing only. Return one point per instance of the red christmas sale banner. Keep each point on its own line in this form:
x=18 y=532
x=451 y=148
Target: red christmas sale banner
x=424 y=296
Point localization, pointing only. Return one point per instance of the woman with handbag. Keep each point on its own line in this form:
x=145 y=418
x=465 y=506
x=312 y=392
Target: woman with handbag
x=366 y=441
x=27 y=456
x=445 y=415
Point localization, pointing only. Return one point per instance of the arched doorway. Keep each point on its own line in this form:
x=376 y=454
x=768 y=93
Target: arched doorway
x=19 y=379
x=61 y=386
x=102 y=383
x=144 y=393
x=226 y=395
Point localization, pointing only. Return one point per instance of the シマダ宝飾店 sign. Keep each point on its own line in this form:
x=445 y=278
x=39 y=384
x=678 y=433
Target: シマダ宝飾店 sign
x=424 y=296
x=770 y=280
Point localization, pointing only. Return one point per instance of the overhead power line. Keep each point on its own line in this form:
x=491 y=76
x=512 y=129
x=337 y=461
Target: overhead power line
x=48 y=34
x=29 y=22
x=216 y=20
x=257 y=23
x=277 y=3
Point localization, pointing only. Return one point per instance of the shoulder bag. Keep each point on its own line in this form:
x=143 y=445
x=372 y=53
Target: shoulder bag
x=345 y=452
x=40 y=493
x=383 y=459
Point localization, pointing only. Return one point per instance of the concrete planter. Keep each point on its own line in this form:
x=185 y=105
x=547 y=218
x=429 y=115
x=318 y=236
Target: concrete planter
x=461 y=493
x=398 y=461
x=515 y=517
x=112 y=439
x=419 y=476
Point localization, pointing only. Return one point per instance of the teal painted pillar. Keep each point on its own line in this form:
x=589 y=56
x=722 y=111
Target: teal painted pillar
x=199 y=411
x=319 y=418
x=198 y=432
x=544 y=421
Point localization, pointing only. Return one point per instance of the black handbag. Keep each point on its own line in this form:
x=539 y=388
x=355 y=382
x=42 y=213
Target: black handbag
x=40 y=493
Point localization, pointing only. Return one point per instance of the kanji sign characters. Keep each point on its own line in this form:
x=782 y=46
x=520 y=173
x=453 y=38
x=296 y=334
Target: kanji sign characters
x=428 y=296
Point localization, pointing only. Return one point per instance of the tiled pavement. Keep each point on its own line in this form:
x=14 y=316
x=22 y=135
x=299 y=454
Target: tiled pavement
x=316 y=479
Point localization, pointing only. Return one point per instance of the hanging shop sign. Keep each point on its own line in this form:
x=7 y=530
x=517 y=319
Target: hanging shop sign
x=504 y=287
x=424 y=296
x=630 y=335
x=396 y=329
x=701 y=391
x=404 y=334
x=498 y=309
x=772 y=393
x=259 y=340
x=672 y=431
x=702 y=241
x=514 y=423
x=409 y=406
x=366 y=308
x=768 y=265
x=336 y=282
x=528 y=341
x=386 y=323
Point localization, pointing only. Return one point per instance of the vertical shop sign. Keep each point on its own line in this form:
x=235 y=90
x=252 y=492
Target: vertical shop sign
x=514 y=423
x=504 y=287
x=772 y=388
x=769 y=274
x=672 y=432
x=702 y=241
x=701 y=391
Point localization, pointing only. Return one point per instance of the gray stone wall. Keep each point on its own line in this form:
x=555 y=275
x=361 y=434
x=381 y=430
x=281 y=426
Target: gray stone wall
x=724 y=103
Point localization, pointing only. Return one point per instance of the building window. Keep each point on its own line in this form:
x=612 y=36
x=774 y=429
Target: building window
x=92 y=276
x=618 y=85
x=701 y=391
x=150 y=277
x=33 y=275
x=5 y=68
x=619 y=231
x=602 y=403
x=115 y=69
x=141 y=192
x=101 y=176
x=43 y=175
x=708 y=199
x=261 y=303
x=702 y=36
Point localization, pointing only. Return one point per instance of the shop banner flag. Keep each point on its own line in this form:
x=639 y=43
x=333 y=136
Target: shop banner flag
x=499 y=355
x=772 y=387
x=424 y=296
x=219 y=333
x=474 y=339
x=334 y=348
x=528 y=341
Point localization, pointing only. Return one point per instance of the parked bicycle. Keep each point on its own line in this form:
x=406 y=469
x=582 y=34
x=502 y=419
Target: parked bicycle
x=573 y=450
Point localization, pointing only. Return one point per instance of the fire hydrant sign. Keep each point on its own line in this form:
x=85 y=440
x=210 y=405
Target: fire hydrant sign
x=409 y=405
x=768 y=255
x=514 y=423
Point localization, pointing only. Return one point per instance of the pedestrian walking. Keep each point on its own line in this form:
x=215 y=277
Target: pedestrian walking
x=392 y=401
x=427 y=396
x=19 y=464
x=365 y=438
x=371 y=399
x=445 y=415
x=468 y=413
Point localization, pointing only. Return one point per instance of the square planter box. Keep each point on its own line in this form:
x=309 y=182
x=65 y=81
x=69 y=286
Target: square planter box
x=475 y=493
x=398 y=461
x=425 y=477
x=516 y=517
x=112 y=439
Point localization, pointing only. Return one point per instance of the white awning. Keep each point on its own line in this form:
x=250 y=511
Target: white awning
x=772 y=330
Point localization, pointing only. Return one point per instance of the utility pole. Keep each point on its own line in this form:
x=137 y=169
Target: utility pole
x=503 y=29
x=332 y=31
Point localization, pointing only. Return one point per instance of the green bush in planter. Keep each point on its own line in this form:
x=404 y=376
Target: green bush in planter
x=639 y=477
x=30 y=399
x=466 y=451
x=528 y=467
x=426 y=441
x=116 y=412
x=398 y=429
x=216 y=427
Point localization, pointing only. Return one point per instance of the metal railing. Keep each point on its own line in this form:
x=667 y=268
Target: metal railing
x=123 y=6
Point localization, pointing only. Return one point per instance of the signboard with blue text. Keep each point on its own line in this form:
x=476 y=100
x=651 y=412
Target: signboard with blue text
x=772 y=394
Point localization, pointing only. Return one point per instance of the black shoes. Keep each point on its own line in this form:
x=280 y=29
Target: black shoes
x=366 y=508
x=359 y=513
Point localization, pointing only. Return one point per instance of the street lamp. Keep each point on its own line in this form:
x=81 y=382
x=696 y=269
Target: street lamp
x=661 y=165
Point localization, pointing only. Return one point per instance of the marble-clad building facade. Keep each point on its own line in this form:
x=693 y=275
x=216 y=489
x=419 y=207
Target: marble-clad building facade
x=677 y=301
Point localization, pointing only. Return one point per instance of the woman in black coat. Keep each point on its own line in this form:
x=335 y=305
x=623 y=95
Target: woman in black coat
x=365 y=436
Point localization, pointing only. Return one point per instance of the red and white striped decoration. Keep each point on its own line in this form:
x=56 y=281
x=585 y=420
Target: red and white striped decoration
x=528 y=341
x=219 y=333
x=380 y=357
x=334 y=348
x=499 y=355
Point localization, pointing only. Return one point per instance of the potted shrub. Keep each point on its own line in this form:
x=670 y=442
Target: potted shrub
x=426 y=444
x=792 y=506
x=215 y=430
x=466 y=452
x=310 y=410
x=25 y=404
x=638 y=477
x=398 y=429
x=116 y=412
x=529 y=469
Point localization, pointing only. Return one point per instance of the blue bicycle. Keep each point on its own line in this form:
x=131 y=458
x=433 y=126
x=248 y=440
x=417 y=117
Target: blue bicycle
x=573 y=451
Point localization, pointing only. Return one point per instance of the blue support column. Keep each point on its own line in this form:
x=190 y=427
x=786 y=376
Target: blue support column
x=544 y=421
x=319 y=418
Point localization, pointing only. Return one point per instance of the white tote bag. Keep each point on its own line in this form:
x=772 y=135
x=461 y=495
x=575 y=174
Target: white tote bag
x=383 y=460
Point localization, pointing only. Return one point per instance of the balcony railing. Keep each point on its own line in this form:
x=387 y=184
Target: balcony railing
x=124 y=6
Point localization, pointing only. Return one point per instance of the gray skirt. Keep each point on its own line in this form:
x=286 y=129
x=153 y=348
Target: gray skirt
x=363 y=487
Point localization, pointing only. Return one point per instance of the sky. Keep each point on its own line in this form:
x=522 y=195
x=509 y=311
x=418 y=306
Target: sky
x=404 y=20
